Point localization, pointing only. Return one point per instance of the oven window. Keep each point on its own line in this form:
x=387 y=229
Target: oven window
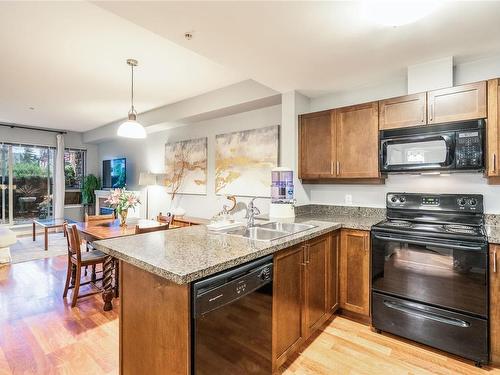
x=452 y=278
x=428 y=152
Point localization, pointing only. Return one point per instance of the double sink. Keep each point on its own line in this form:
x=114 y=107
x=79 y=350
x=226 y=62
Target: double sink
x=269 y=231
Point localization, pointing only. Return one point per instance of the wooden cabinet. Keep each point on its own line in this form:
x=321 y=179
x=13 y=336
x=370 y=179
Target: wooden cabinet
x=458 y=103
x=402 y=112
x=316 y=145
x=304 y=293
x=316 y=283
x=287 y=303
x=355 y=271
x=493 y=128
x=333 y=273
x=357 y=141
x=495 y=303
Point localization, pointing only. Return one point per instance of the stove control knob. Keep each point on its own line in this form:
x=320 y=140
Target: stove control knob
x=402 y=199
x=472 y=201
x=394 y=199
x=462 y=201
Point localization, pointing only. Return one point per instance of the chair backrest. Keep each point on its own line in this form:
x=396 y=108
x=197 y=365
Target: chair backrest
x=66 y=233
x=98 y=217
x=75 y=241
x=139 y=230
x=168 y=218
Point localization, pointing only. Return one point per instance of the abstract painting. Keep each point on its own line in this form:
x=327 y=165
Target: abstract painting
x=244 y=159
x=186 y=167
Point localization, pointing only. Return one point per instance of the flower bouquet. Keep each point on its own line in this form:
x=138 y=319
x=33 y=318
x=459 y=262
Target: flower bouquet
x=122 y=200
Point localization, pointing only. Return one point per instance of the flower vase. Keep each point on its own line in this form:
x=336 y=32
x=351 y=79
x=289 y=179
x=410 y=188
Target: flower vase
x=123 y=218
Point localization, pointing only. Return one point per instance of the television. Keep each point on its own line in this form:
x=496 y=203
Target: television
x=114 y=173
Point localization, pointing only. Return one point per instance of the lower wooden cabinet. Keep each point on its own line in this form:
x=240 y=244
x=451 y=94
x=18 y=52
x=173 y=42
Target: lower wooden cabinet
x=495 y=303
x=304 y=293
x=355 y=271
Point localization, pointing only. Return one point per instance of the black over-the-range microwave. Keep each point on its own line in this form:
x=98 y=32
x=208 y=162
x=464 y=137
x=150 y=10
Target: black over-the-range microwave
x=453 y=147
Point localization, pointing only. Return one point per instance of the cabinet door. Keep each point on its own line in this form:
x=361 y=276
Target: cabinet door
x=287 y=303
x=333 y=273
x=316 y=283
x=493 y=128
x=357 y=141
x=402 y=112
x=316 y=153
x=458 y=103
x=355 y=271
x=495 y=303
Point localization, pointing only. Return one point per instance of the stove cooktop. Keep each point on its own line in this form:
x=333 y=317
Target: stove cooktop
x=451 y=231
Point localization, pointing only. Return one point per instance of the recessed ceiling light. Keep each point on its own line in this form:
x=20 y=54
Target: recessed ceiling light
x=398 y=13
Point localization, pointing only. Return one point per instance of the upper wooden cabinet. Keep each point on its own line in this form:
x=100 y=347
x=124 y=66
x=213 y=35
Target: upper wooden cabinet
x=316 y=147
x=493 y=128
x=357 y=141
x=458 y=103
x=355 y=271
x=402 y=112
x=495 y=303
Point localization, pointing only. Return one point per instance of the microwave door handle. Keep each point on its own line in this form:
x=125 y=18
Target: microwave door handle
x=428 y=243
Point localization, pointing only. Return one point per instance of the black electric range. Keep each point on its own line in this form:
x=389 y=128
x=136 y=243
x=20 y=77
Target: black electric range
x=430 y=272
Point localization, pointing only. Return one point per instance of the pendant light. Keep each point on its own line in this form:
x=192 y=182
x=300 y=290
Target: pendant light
x=131 y=128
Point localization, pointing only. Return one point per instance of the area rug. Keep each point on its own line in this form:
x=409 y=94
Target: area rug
x=26 y=249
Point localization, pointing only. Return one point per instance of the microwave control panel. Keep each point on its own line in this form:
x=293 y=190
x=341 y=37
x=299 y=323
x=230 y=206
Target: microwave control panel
x=468 y=150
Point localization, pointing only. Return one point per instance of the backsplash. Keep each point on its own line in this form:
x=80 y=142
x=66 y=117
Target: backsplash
x=340 y=210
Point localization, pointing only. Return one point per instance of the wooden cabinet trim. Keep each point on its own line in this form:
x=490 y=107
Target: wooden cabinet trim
x=401 y=106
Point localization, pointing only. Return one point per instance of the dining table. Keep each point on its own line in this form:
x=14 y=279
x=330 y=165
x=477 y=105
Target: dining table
x=91 y=231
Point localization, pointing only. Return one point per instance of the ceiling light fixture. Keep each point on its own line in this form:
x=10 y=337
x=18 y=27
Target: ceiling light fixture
x=131 y=128
x=398 y=13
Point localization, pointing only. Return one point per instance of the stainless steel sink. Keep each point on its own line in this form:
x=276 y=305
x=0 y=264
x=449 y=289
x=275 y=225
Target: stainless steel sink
x=287 y=227
x=258 y=233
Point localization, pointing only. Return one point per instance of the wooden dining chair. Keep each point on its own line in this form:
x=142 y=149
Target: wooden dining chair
x=90 y=218
x=78 y=260
x=168 y=218
x=139 y=230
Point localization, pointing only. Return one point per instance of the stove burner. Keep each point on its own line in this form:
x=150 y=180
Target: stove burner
x=398 y=223
x=457 y=228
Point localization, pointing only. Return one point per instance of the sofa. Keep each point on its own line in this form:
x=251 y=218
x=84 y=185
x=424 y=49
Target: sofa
x=7 y=238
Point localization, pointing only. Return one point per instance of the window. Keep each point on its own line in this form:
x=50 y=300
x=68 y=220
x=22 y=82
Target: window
x=74 y=168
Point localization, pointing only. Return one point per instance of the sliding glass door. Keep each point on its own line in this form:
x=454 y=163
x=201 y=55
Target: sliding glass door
x=26 y=176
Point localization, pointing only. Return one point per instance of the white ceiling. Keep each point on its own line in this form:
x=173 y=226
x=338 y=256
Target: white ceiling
x=317 y=47
x=67 y=60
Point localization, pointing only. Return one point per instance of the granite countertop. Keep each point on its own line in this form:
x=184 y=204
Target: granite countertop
x=349 y=222
x=493 y=233
x=187 y=254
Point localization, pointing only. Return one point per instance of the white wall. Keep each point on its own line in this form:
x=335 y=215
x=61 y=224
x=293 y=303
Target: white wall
x=374 y=195
x=149 y=154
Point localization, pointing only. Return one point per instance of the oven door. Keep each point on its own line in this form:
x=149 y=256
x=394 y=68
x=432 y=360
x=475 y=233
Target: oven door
x=418 y=153
x=442 y=273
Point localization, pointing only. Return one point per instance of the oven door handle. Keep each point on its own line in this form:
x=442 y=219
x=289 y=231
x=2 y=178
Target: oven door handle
x=426 y=314
x=429 y=243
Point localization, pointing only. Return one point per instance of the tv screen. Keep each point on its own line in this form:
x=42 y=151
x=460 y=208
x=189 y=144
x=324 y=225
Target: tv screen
x=114 y=173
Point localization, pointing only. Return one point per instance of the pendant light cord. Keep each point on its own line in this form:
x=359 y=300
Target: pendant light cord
x=132 y=109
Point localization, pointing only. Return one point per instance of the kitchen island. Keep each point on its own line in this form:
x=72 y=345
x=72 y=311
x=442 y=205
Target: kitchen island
x=156 y=273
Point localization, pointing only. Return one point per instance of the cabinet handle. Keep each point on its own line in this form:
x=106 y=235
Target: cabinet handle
x=308 y=252
x=494 y=162
x=423 y=114
x=494 y=261
x=432 y=112
x=338 y=168
x=331 y=168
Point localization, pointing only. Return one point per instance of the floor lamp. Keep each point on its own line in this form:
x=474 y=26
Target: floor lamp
x=147 y=179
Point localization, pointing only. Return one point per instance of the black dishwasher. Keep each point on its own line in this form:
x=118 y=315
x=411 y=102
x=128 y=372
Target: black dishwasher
x=232 y=321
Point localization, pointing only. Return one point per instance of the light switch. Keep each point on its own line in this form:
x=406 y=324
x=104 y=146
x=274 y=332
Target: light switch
x=348 y=199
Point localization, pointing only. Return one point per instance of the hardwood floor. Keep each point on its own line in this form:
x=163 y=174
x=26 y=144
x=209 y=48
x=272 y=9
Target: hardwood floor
x=41 y=334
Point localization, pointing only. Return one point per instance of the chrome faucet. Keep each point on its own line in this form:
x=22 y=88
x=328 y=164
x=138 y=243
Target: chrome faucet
x=252 y=210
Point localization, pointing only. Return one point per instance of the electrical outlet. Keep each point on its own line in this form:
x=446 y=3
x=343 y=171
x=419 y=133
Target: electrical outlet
x=348 y=199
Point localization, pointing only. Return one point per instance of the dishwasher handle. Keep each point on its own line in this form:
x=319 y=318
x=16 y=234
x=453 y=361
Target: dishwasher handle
x=232 y=290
